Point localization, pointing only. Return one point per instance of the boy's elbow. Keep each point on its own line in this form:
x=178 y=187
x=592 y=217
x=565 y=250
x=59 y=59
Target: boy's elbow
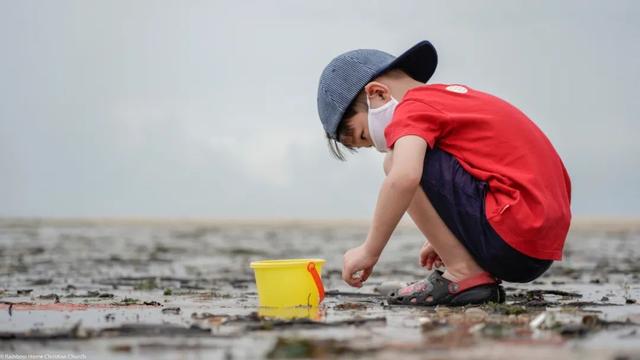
x=404 y=181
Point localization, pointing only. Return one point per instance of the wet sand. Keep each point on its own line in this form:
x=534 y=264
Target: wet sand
x=183 y=289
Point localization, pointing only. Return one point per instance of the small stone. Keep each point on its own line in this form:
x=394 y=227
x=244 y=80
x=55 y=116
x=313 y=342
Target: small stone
x=537 y=322
x=426 y=324
x=442 y=310
x=591 y=321
x=477 y=328
x=475 y=314
x=630 y=301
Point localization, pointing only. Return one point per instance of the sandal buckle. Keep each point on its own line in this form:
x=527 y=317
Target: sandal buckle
x=453 y=287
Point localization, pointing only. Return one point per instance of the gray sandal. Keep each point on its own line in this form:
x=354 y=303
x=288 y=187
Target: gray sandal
x=436 y=290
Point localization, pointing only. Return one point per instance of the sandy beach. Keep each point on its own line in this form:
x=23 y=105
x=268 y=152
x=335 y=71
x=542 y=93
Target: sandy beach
x=143 y=288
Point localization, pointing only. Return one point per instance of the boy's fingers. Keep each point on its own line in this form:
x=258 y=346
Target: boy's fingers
x=351 y=277
x=431 y=260
x=352 y=282
x=346 y=275
x=423 y=259
x=356 y=281
x=365 y=275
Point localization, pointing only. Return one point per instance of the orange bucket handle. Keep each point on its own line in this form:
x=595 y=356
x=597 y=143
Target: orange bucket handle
x=311 y=267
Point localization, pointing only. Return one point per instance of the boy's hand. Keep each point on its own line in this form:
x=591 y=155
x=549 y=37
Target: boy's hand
x=429 y=258
x=358 y=260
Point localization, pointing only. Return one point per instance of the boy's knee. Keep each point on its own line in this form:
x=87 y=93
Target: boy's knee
x=388 y=161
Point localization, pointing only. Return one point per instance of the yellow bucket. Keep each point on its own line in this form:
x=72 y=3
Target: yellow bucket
x=289 y=283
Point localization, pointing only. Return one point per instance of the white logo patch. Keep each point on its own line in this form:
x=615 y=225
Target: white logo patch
x=457 y=89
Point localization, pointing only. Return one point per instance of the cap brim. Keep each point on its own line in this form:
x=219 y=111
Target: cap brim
x=419 y=62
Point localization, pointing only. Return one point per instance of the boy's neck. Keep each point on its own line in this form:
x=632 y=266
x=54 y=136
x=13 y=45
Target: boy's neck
x=400 y=86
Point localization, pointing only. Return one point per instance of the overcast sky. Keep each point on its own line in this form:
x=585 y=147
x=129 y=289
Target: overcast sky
x=208 y=109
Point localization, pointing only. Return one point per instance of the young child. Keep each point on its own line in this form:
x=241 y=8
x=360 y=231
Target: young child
x=479 y=179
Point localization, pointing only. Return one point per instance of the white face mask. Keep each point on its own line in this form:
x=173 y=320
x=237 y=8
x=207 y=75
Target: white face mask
x=378 y=120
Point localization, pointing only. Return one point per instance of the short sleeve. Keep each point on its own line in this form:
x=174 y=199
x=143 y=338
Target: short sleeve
x=414 y=117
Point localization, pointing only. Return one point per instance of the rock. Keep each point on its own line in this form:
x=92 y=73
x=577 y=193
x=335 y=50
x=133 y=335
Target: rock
x=538 y=321
x=426 y=324
x=476 y=328
x=475 y=314
x=442 y=310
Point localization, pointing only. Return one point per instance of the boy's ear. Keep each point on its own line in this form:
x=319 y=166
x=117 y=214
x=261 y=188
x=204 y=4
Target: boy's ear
x=378 y=89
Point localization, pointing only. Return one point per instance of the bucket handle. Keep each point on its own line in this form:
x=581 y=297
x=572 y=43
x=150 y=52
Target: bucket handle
x=311 y=267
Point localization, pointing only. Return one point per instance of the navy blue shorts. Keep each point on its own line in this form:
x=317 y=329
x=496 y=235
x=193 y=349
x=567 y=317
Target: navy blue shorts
x=458 y=198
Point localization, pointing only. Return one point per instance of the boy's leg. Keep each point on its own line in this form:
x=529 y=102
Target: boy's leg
x=458 y=261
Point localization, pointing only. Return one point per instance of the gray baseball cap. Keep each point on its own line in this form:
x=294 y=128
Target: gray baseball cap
x=348 y=73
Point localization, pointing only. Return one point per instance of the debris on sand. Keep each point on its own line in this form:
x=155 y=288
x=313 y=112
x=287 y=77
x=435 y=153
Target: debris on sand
x=91 y=294
x=569 y=328
x=54 y=297
x=251 y=317
x=255 y=322
x=146 y=284
x=475 y=314
x=540 y=292
x=332 y=293
x=594 y=321
x=427 y=324
x=124 y=330
x=297 y=348
x=127 y=301
x=132 y=330
x=350 y=306
x=543 y=319
x=266 y=324
x=505 y=309
x=537 y=298
x=39 y=282
x=171 y=310
x=75 y=332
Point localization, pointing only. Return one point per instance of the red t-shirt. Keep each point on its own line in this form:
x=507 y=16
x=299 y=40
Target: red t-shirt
x=527 y=203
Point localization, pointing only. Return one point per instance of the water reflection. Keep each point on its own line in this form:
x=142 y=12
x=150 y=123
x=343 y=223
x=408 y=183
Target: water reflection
x=315 y=313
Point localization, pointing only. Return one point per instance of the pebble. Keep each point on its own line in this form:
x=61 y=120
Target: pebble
x=543 y=321
x=426 y=323
x=442 y=310
x=475 y=314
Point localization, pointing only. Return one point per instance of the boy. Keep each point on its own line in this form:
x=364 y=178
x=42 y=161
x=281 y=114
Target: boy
x=479 y=179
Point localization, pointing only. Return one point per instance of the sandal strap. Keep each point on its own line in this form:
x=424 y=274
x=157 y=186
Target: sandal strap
x=470 y=282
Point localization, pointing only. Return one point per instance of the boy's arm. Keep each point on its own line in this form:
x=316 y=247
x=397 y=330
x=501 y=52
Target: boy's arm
x=396 y=194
